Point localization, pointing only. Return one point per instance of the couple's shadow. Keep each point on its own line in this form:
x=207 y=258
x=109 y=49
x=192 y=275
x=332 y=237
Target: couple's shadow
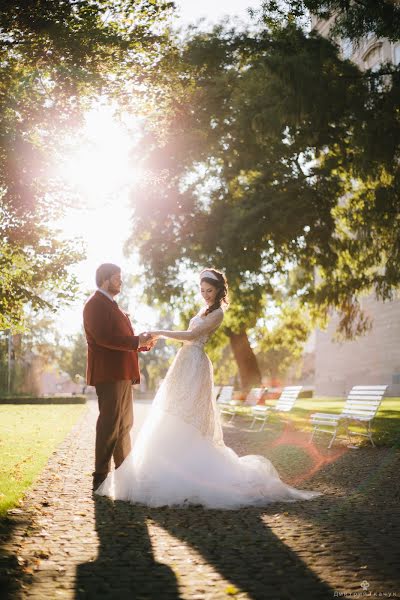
x=238 y=545
x=125 y=566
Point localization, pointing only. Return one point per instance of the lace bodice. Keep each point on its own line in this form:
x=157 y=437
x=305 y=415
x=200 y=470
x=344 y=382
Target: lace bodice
x=199 y=330
x=204 y=327
x=187 y=390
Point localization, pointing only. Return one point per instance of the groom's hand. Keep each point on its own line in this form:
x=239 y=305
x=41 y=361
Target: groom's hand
x=152 y=341
x=150 y=345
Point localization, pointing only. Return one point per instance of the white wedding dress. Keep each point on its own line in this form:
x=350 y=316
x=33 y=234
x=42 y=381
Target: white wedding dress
x=179 y=457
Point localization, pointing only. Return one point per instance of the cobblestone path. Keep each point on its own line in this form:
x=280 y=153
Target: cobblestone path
x=64 y=543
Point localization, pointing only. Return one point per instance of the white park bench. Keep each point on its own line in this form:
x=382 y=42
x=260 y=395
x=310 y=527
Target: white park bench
x=217 y=391
x=252 y=398
x=361 y=406
x=285 y=403
x=225 y=395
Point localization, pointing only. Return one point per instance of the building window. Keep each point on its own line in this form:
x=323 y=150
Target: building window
x=347 y=48
x=373 y=58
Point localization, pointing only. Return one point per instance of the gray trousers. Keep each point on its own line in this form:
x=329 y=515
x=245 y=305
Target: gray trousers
x=113 y=425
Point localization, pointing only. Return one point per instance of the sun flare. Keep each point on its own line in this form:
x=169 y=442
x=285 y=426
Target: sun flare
x=100 y=165
x=99 y=169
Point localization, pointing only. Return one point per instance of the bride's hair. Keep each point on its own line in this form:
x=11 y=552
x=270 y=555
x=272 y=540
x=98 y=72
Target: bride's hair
x=220 y=284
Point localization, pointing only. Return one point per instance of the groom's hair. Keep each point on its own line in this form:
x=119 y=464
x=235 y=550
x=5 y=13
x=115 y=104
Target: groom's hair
x=105 y=271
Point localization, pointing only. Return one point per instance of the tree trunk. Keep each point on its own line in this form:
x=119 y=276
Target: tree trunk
x=249 y=370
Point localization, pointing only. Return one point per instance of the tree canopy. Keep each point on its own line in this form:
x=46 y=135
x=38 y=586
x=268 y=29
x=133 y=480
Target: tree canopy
x=56 y=58
x=353 y=19
x=282 y=158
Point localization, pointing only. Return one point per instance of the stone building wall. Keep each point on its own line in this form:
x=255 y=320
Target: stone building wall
x=371 y=359
x=375 y=357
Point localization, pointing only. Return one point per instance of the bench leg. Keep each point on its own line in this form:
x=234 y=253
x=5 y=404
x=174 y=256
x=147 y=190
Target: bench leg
x=253 y=422
x=313 y=434
x=369 y=433
x=349 y=434
x=333 y=438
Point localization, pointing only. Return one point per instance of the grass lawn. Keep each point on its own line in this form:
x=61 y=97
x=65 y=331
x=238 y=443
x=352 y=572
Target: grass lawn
x=385 y=426
x=28 y=436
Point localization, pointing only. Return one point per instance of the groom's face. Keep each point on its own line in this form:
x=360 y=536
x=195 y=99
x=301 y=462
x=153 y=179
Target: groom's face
x=115 y=283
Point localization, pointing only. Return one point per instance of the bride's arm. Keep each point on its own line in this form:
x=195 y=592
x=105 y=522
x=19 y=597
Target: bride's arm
x=210 y=322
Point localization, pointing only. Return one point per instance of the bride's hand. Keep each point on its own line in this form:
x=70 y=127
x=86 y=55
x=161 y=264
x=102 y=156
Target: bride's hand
x=154 y=334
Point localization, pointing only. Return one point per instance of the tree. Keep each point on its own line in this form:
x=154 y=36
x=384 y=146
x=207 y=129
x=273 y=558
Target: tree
x=281 y=158
x=280 y=345
x=71 y=357
x=367 y=236
x=236 y=139
x=56 y=59
x=353 y=18
x=31 y=352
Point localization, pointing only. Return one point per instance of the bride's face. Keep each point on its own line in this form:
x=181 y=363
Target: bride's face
x=208 y=292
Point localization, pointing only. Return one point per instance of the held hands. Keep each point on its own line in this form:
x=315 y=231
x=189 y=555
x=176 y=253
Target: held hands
x=154 y=335
x=147 y=340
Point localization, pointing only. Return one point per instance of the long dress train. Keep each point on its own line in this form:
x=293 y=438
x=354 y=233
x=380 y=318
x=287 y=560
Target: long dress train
x=179 y=457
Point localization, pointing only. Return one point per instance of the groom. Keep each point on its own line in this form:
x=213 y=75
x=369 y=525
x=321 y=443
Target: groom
x=112 y=367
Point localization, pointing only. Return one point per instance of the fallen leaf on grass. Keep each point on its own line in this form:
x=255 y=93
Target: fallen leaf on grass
x=231 y=590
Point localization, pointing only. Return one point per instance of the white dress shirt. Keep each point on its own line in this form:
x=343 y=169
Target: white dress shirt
x=106 y=294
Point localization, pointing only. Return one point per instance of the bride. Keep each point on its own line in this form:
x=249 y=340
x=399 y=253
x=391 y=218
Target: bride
x=179 y=457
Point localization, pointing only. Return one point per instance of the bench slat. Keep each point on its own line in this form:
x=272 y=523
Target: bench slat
x=362 y=404
x=362 y=394
x=363 y=400
x=358 y=417
x=369 y=387
x=326 y=422
x=325 y=416
x=358 y=411
x=371 y=398
x=369 y=407
x=292 y=387
x=286 y=400
x=362 y=409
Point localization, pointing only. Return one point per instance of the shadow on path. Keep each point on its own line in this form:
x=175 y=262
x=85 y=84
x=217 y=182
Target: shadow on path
x=245 y=551
x=10 y=569
x=362 y=527
x=125 y=566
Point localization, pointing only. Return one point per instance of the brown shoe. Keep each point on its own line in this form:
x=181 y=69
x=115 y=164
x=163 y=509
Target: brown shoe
x=98 y=479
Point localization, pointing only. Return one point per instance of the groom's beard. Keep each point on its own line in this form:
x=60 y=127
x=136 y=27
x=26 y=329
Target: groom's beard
x=113 y=290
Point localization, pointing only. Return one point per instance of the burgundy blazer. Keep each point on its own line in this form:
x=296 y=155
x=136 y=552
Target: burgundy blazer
x=112 y=345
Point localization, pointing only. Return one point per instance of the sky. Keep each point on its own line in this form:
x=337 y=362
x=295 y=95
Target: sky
x=213 y=10
x=100 y=174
